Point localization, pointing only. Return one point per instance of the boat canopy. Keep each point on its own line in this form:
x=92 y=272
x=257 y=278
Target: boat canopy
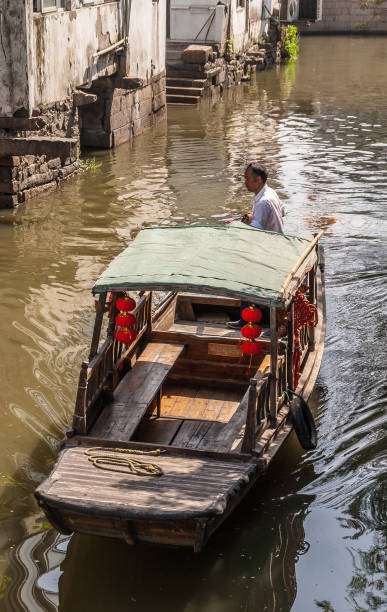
x=232 y=260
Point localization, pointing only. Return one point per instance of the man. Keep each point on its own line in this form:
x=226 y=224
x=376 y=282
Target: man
x=268 y=210
x=267 y=213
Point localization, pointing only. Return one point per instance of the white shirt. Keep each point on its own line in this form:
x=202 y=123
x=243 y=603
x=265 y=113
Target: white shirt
x=268 y=211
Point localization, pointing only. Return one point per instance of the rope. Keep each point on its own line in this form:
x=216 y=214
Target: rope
x=114 y=460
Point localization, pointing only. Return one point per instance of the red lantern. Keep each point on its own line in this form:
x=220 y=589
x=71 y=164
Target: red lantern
x=125 y=304
x=125 y=319
x=125 y=335
x=251 y=331
x=249 y=347
x=251 y=314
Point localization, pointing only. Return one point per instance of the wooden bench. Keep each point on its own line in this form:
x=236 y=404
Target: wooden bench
x=132 y=397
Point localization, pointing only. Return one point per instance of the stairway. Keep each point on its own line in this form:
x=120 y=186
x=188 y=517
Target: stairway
x=182 y=90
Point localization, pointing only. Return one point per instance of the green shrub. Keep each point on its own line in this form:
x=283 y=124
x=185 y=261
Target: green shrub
x=291 y=42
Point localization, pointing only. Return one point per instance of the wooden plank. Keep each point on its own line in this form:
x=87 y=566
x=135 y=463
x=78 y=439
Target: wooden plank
x=159 y=431
x=248 y=442
x=84 y=441
x=232 y=434
x=185 y=311
x=191 y=433
x=202 y=298
x=273 y=362
x=97 y=325
x=136 y=391
x=290 y=348
x=79 y=421
x=199 y=402
x=264 y=366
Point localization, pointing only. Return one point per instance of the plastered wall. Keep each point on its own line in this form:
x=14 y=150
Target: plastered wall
x=348 y=16
x=44 y=57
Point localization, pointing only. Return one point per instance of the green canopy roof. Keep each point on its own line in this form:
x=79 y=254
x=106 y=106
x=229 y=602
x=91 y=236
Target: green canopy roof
x=235 y=259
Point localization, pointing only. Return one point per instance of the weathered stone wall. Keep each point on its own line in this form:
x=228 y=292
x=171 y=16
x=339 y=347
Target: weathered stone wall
x=124 y=108
x=349 y=16
x=25 y=176
x=199 y=71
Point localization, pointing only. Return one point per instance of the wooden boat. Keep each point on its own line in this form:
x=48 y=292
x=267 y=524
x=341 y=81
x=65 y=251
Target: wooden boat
x=208 y=422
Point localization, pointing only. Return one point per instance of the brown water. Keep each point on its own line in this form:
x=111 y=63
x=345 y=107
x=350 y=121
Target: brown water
x=311 y=535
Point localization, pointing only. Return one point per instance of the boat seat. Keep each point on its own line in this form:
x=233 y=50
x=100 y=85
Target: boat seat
x=136 y=391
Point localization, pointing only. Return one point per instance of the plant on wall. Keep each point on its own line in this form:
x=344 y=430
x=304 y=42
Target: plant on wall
x=229 y=49
x=291 y=44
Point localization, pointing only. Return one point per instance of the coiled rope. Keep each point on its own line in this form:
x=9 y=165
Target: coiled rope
x=116 y=460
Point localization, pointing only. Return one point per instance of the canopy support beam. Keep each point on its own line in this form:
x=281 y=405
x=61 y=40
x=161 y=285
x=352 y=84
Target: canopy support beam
x=273 y=362
x=97 y=325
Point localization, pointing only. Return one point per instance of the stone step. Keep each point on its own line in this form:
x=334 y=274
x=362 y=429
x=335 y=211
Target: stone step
x=182 y=99
x=184 y=72
x=182 y=82
x=173 y=54
x=185 y=91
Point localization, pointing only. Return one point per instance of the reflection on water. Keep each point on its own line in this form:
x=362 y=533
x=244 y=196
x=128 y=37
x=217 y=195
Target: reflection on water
x=310 y=536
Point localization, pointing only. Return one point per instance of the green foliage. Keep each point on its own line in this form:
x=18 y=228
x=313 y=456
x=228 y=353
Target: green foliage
x=291 y=42
x=229 y=48
x=89 y=164
x=263 y=39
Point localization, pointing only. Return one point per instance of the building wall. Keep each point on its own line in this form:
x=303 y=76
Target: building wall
x=15 y=56
x=45 y=56
x=206 y=21
x=63 y=45
x=348 y=16
x=147 y=36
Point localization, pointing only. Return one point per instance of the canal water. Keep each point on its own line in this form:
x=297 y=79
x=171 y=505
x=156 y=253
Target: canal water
x=311 y=535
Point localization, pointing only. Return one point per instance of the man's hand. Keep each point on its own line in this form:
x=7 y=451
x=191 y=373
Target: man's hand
x=247 y=218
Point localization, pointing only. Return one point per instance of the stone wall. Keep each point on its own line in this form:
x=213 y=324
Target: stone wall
x=201 y=71
x=349 y=16
x=25 y=176
x=124 y=108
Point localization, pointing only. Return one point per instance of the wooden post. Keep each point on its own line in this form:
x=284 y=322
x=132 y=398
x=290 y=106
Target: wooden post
x=149 y=315
x=248 y=442
x=97 y=325
x=290 y=347
x=312 y=299
x=273 y=362
x=79 y=424
x=112 y=318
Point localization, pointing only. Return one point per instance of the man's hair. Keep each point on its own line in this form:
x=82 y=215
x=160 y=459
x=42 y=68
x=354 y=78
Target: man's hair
x=258 y=170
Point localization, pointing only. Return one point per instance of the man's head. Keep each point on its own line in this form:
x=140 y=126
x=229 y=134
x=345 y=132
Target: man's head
x=255 y=177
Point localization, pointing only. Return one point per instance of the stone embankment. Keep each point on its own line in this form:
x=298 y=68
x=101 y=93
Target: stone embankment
x=198 y=71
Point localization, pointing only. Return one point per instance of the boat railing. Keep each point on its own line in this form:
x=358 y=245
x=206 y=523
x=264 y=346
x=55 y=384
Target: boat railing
x=258 y=410
x=101 y=374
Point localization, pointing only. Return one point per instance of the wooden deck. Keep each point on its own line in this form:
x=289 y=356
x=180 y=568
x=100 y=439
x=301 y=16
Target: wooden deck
x=191 y=486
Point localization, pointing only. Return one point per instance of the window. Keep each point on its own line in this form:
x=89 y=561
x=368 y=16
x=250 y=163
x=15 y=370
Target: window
x=45 y=6
x=241 y=3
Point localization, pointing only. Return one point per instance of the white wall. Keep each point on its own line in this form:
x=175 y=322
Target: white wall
x=64 y=43
x=147 y=38
x=199 y=21
x=15 y=56
x=188 y=18
x=48 y=55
